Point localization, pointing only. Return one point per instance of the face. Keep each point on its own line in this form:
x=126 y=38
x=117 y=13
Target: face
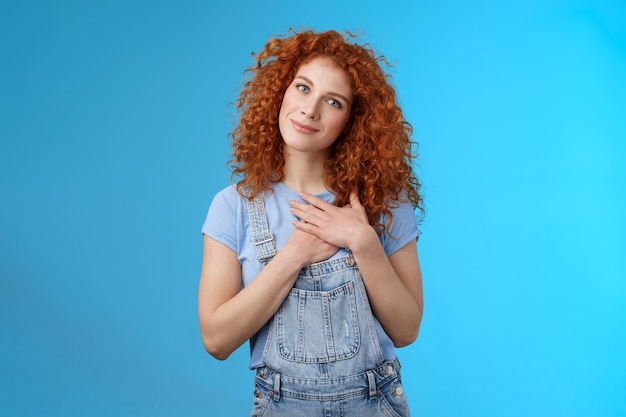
x=316 y=107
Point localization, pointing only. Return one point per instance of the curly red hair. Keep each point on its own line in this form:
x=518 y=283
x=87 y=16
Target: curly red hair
x=373 y=156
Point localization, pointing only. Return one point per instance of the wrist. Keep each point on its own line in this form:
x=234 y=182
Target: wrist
x=363 y=239
x=289 y=254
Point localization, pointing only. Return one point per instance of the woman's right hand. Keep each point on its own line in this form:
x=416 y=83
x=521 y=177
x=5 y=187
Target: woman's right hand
x=307 y=248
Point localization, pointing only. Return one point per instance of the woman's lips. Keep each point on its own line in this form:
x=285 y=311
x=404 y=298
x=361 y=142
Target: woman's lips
x=302 y=128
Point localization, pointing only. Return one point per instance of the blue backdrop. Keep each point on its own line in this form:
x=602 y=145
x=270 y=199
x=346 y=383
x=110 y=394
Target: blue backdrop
x=114 y=118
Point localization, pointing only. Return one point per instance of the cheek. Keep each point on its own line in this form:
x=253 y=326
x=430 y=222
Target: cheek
x=341 y=123
x=282 y=114
x=286 y=104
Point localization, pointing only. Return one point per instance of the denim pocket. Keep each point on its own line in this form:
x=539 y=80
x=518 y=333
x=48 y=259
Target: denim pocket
x=393 y=398
x=318 y=326
x=260 y=398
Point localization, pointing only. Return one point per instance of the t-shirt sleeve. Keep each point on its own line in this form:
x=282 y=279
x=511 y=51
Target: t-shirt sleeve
x=402 y=230
x=220 y=223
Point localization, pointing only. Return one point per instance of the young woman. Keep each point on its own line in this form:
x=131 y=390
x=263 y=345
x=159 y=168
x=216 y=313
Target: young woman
x=312 y=255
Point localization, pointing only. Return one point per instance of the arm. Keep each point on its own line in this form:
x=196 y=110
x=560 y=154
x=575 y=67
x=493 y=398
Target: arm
x=230 y=315
x=393 y=284
x=394 y=287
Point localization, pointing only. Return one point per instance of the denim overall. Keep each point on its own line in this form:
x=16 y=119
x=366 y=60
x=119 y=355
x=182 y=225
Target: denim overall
x=322 y=356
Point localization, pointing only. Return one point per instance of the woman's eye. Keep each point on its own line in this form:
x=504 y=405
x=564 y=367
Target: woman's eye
x=334 y=103
x=302 y=88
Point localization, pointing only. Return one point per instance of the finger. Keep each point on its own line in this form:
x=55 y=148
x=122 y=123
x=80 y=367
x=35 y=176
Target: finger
x=304 y=210
x=354 y=199
x=315 y=201
x=306 y=227
x=301 y=215
x=303 y=206
x=307 y=213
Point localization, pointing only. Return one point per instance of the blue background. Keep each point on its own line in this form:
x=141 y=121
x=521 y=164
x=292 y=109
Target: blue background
x=114 y=118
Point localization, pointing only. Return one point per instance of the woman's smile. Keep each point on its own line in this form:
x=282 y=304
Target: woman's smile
x=303 y=128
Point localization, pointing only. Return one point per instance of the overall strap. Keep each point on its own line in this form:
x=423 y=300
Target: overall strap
x=262 y=236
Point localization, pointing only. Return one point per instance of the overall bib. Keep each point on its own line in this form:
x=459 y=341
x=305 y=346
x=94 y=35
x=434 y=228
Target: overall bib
x=322 y=356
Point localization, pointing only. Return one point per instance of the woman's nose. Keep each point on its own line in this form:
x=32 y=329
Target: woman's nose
x=310 y=109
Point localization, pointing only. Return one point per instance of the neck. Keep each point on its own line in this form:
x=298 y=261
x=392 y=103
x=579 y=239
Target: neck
x=304 y=172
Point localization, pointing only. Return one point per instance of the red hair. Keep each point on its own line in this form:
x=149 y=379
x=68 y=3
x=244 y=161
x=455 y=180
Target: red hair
x=373 y=156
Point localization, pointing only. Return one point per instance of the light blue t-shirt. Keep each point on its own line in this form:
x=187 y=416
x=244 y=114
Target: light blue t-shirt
x=227 y=222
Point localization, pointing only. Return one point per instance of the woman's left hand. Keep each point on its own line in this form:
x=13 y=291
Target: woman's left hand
x=393 y=283
x=340 y=226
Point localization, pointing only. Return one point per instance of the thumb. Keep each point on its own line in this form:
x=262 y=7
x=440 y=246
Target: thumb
x=354 y=199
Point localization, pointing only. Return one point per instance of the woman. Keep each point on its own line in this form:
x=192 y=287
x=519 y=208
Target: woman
x=312 y=255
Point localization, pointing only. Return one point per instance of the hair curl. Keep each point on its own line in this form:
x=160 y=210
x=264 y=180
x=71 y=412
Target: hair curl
x=374 y=154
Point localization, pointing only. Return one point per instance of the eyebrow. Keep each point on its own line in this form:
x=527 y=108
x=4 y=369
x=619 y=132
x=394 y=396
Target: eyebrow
x=332 y=93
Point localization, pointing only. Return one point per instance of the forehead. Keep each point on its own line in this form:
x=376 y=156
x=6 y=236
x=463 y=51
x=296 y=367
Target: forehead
x=325 y=71
x=323 y=65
